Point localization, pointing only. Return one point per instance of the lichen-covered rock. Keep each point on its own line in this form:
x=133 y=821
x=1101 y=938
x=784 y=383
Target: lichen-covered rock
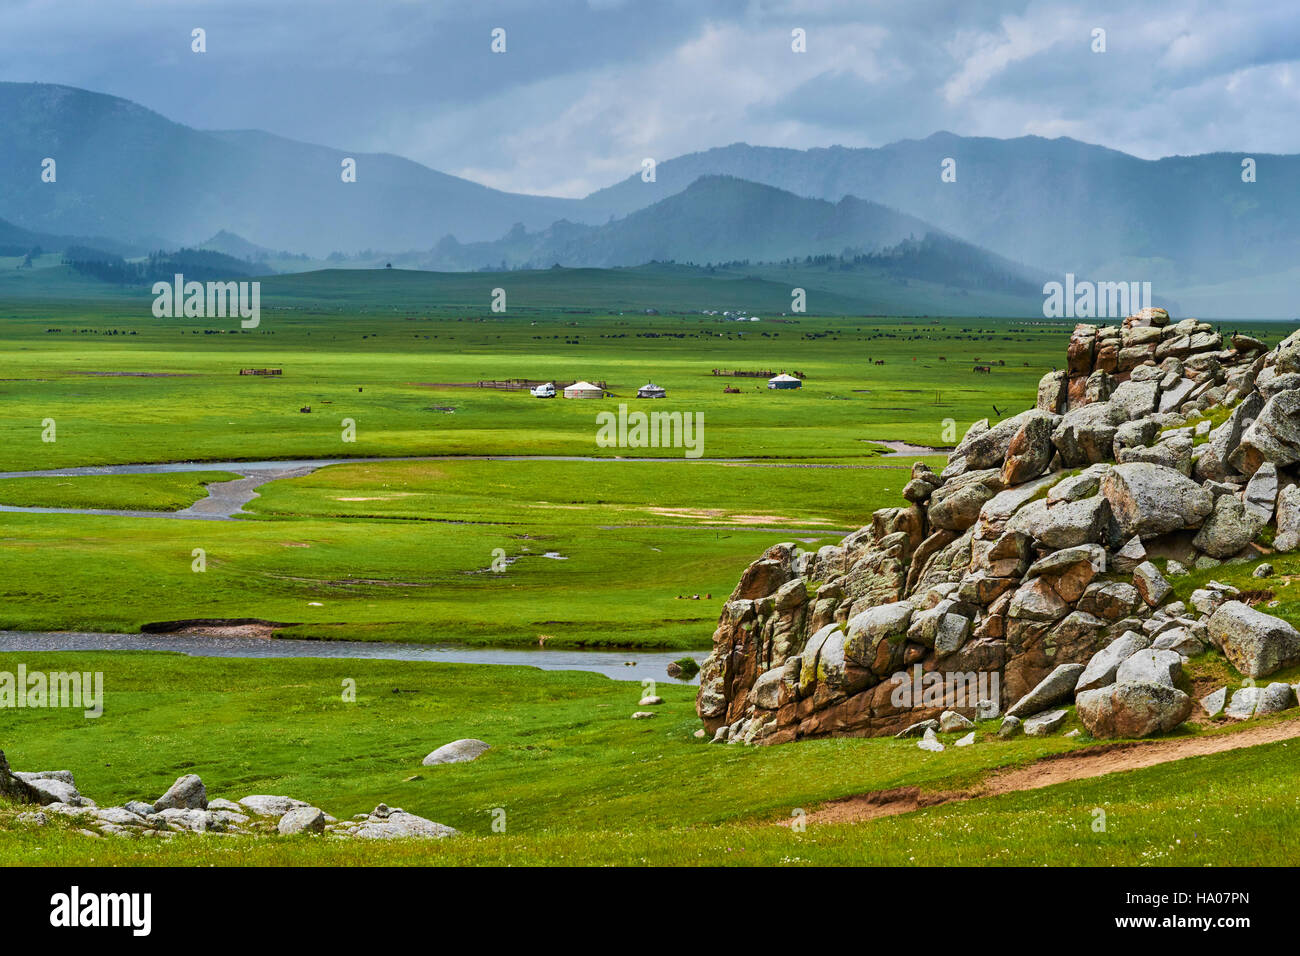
x=187 y=793
x=1148 y=500
x=1151 y=666
x=1054 y=688
x=1272 y=437
x=1041 y=725
x=1132 y=709
x=1229 y=529
x=1255 y=643
x=1100 y=671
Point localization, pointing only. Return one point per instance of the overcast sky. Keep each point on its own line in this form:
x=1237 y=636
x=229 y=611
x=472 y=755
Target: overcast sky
x=587 y=88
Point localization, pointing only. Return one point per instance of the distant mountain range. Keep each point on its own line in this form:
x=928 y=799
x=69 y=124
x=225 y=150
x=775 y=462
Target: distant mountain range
x=124 y=171
x=1022 y=209
x=712 y=220
x=1060 y=205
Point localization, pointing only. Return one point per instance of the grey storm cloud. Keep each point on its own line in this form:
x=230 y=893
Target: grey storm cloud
x=588 y=88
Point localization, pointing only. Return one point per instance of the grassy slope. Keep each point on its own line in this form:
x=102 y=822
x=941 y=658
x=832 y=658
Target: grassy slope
x=581 y=783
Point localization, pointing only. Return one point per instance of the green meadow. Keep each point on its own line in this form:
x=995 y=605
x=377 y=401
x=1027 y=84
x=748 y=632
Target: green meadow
x=581 y=784
x=511 y=527
x=124 y=387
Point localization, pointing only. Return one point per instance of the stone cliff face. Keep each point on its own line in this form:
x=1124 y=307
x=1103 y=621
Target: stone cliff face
x=1012 y=576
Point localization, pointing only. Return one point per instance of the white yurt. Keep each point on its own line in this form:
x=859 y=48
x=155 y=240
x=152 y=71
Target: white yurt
x=784 y=381
x=584 y=390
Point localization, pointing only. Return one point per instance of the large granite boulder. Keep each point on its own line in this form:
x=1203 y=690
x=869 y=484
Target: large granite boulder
x=1229 y=528
x=458 y=751
x=956 y=505
x=187 y=793
x=1255 y=643
x=1101 y=670
x=1056 y=687
x=1273 y=437
x=1086 y=435
x=1134 y=709
x=1148 y=500
x=1288 y=519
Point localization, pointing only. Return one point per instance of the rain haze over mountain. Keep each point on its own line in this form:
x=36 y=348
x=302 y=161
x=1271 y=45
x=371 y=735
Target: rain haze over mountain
x=1067 y=156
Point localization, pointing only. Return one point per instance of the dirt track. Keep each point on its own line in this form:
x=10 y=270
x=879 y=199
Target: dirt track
x=1075 y=765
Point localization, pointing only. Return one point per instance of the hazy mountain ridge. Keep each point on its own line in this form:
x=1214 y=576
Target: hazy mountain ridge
x=125 y=171
x=1060 y=205
x=1188 y=224
x=713 y=220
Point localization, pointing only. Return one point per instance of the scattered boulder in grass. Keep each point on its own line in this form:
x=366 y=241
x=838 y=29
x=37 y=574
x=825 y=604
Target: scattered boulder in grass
x=1275 y=698
x=193 y=819
x=950 y=722
x=1055 y=687
x=987 y=710
x=1213 y=704
x=45 y=787
x=302 y=820
x=966 y=741
x=1255 y=643
x=1010 y=727
x=267 y=805
x=187 y=793
x=1243 y=703
x=386 y=823
x=1263 y=570
x=644 y=715
x=918 y=729
x=1135 y=709
x=458 y=751
x=1041 y=725
x=930 y=742
x=650 y=700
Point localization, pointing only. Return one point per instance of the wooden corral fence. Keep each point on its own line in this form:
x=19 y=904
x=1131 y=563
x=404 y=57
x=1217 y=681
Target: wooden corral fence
x=512 y=384
x=742 y=373
x=261 y=371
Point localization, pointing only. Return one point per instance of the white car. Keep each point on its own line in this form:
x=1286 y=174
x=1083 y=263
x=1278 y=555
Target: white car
x=543 y=391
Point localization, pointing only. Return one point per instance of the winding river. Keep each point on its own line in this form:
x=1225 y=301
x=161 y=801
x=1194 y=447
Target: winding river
x=226 y=499
x=630 y=665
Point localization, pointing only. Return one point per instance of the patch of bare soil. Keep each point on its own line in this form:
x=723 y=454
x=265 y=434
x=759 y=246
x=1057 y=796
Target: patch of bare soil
x=1058 y=768
x=217 y=627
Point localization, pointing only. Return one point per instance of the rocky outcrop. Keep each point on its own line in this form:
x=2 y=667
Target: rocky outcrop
x=1040 y=556
x=186 y=809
